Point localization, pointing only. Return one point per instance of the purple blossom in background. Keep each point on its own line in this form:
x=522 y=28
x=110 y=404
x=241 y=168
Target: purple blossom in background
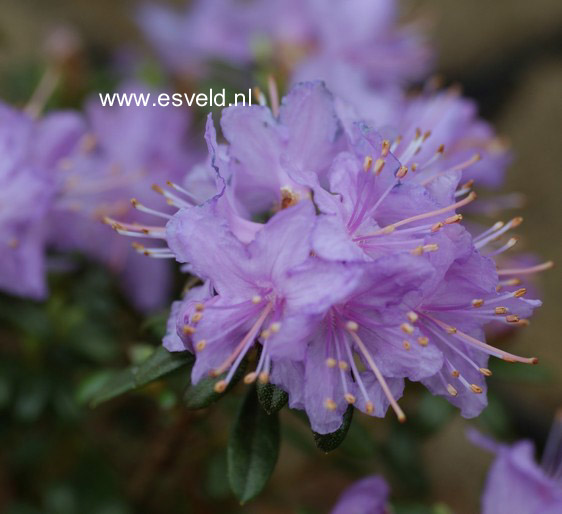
x=26 y=193
x=366 y=496
x=117 y=154
x=315 y=36
x=517 y=482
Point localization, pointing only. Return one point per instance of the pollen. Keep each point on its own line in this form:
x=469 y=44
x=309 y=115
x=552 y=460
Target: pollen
x=220 y=386
x=250 y=378
x=407 y=328
x=412 y=316
x=188 y=330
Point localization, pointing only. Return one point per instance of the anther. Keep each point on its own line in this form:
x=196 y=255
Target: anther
x=455 y=373
x=250 y=378
x=199 y=307
x=477 y=302
x=407 y=328
x=330 y=404
x=453 y=219
x=520 y=292
x=385 y=148
x=486 y=372
x=500 y=310
x=352 y=326
x=379 y=165
x=406 y=345
x=157 y=189
x=349 y=398
x=423 y=341
x=265 y=334
x=515 y=222
x=430 y=247
x=331 y=362
x=256 y=299
x=418 y=250
x=198 y=316
x=437 y=226
x=344 y=366
x=220 y=386
x=512 y=318
x=369 y=408
x=264 y=377
x=188 y=330
x=475 y=389
x=426 y=135
x=412 y=316
x=451 y=330
x=452 y=391
x=275 y=327
x=367 y=163
x=402 y=172
x=200 y=346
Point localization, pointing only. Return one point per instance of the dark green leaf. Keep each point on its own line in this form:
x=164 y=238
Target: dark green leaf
x=253 y=448
x=329 y=442
x=203 y=394
x=160 y=363
x=271 y=398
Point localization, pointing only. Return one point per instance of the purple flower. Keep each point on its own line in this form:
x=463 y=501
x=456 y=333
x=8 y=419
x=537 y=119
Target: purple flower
x=256 y=296
x=313 y=36
x=436 y=132
x=26 y=192
x=366 y=496
x=517 y=483
x=362 y=277
x=116 y=154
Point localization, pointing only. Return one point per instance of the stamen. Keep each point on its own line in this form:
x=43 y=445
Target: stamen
x=526 y=271
x=461 y=203
x=367 y=163
x=478 y=302
x=140 y=207
x=273 y=95
x=394 y=404
x=452 y=391
x=330 y=404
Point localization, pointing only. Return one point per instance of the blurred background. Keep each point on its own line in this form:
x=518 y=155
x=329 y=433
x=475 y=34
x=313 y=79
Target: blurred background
x=143 y=452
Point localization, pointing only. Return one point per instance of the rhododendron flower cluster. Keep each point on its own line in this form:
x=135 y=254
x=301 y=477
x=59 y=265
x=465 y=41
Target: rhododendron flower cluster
x=362 y=275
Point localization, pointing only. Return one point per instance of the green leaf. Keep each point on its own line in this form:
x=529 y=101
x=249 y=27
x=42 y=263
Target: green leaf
x=253 y=448
x=160 y=363
x=203 y=394
x=329 y=442
x=271 y=398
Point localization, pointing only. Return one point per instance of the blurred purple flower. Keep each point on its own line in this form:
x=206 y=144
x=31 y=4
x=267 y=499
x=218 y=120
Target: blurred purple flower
x=116 y=154
x=311 y=35
x=26 y=193
x=516 y=482
x=366 y=496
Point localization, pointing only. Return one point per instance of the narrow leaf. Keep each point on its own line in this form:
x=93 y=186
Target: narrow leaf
x=203 y=394
x=271 y=398
x=253 y=448
x=160 y=363
x=329 y=442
